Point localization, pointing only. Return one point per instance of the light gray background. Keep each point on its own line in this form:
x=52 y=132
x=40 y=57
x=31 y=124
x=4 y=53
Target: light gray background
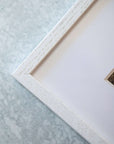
x=23 y=118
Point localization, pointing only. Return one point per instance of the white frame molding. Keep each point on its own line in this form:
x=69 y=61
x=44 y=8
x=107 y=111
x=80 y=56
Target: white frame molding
x=24 y=76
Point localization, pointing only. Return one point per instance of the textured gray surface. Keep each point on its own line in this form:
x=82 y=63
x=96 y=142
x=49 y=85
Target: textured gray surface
x=23 y=118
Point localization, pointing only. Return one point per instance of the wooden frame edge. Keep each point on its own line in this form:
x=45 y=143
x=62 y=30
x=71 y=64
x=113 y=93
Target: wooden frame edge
x=106 y=79
x=23 y=72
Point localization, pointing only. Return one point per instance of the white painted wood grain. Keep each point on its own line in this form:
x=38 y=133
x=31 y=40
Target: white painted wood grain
x=23 y=73
x=76 y=69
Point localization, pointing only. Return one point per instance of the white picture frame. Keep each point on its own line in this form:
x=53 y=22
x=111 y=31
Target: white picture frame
x=24 y=72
